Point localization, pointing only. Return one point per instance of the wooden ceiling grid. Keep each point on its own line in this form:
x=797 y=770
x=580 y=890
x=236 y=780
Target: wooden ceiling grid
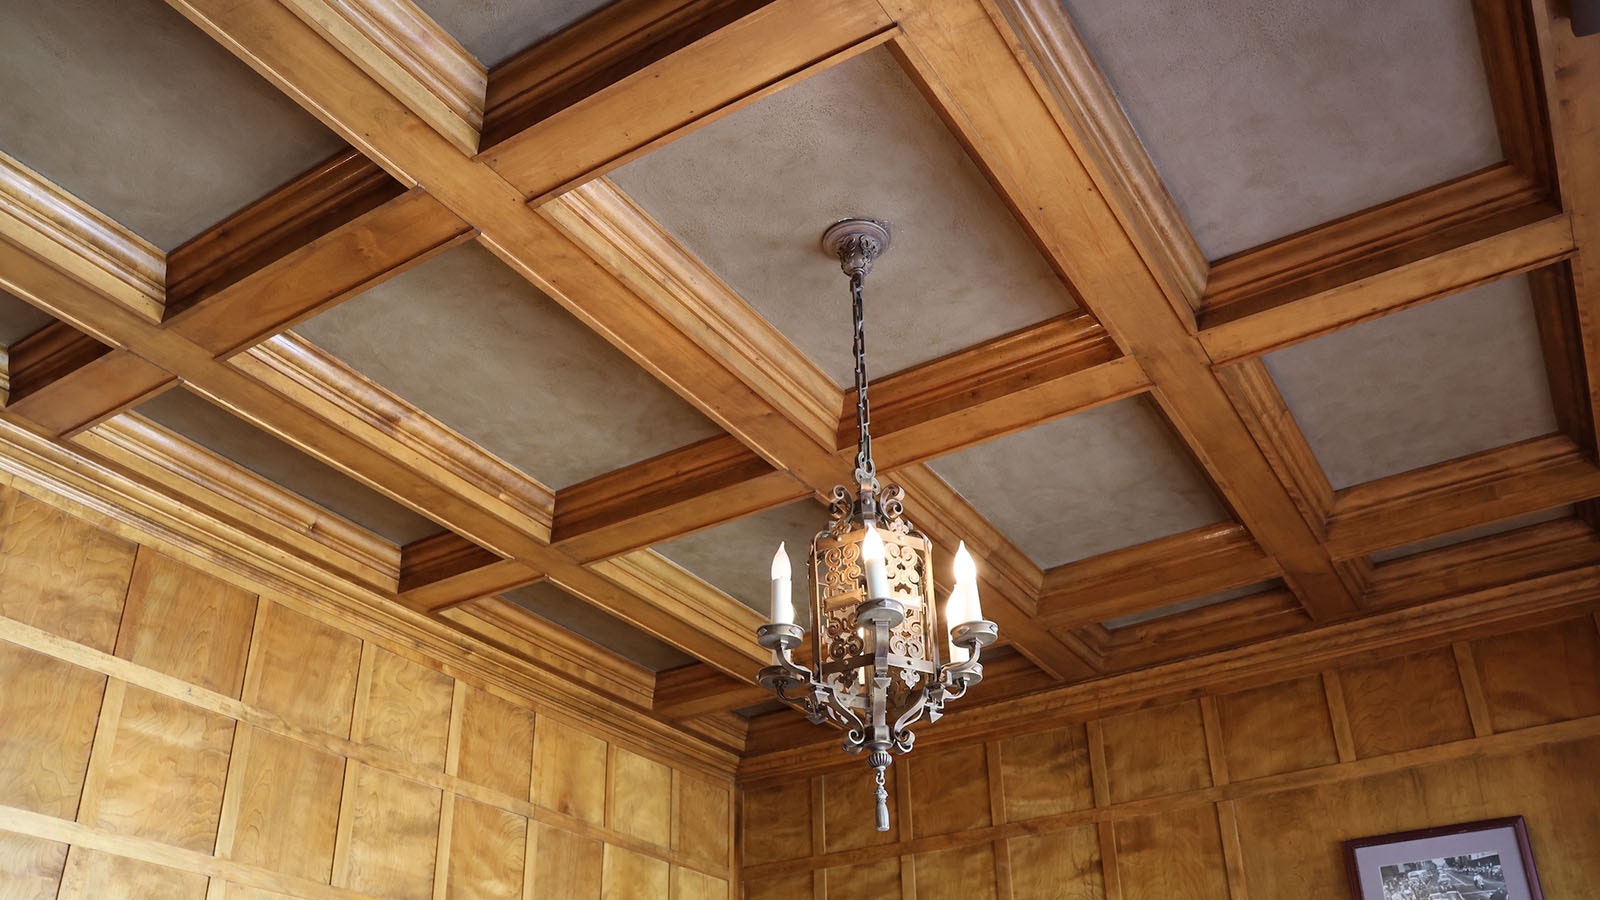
x=515 y=158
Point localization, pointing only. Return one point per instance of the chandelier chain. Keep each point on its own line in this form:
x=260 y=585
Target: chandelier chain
x=866 y=470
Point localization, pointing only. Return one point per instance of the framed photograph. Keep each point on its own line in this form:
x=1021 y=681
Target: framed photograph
x=1488 y=860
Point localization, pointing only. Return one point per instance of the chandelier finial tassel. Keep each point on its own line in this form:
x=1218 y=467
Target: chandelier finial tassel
x=882 y=795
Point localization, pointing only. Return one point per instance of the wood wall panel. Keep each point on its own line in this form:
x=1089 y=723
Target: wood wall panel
x=311 y=758
x=487 y=846
x=102 y=876
x=1057 y=865
x=1045 y=773
x=1174 y=854
x=186 y=623
x=390 y=837
x=1285 y=800
x=949 y=791
x=1276 y=728
x=1403 y=704
x=166 y=770
x=569 y=770
x=305 y=671
x=61 y=574
x=634 y=876
x=47 y=723
x=866 y=881
x=704 y=808
x=288 y=808
x=30 y=868
x=777 y=822
x=1514 y=670
x=406 y=709
x=496 y=743
x=961 y=873
x=566 y=864
x=640 y=797
x=1156 y=751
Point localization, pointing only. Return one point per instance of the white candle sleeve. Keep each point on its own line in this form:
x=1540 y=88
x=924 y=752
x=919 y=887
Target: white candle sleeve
x=782 y=599
x=872 y=560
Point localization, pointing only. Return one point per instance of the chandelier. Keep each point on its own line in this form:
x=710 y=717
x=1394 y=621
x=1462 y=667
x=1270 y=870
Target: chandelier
x=877 y=663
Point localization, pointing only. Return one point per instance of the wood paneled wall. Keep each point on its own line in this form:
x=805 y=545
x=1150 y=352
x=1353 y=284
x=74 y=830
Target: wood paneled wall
x=167 y=734
x=1230 y=796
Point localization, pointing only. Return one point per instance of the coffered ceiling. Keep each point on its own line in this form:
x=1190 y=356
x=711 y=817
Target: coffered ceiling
x=1203 y=324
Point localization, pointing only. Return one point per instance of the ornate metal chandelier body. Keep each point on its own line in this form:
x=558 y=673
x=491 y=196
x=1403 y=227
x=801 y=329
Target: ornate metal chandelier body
x=877 y=667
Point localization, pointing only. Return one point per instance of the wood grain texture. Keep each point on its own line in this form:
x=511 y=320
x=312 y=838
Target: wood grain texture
x=704 y=809
x=1154 y=752
x=305 y=671
x=1176 y=854
x=949 y=791
x=777 y=823
x=165 y=776
x=186 y=623
x=639 y=801
x=1541 y=675
x=847 y=811
x=47 y=725
x=1277 y=728
x=866 y=881
x=59 y=573
x=569 y=770
x=963 y=873
x=92 y=875
x=407 y=709
x=566 y=864
x=1414 y=702
x=688 y=884
x=30 y=868
x=1059 y=865
x=1045 y=773
x=288 y=807
x=394 y=829
x=496 y=743
x=633 y=876
x=486 y=852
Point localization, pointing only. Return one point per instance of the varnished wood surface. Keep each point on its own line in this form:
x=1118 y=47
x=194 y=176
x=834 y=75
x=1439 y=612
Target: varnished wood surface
x=212 y=736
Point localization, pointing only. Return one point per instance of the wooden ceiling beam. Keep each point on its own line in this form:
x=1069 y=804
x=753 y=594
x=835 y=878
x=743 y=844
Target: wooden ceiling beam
x=1152 y=575
x=1061 y=190
x=1525 y=477
x=447 y=569
x=1268 y=614
x=1487 y=562
x=699 y=690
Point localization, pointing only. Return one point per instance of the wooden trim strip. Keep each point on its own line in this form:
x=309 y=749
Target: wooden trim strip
x=48 y=355
x=85 y=396
x=698 y=689
x=58 y=228
x=1152 y=575
x=448 y=569
x=1257 y=617
x=1255 y=395
x=1529 y=476
x=1484 y=563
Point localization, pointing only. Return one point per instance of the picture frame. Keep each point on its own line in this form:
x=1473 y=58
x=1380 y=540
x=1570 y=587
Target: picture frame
x=1486 y=860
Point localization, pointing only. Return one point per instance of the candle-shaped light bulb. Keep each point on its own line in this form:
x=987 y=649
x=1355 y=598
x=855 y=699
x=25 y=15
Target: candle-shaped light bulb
x=968 y=609
x=782 y=600
x=872 y=559
x=952 y=609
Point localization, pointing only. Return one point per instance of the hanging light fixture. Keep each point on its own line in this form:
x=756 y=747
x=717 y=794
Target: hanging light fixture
x=877 y=663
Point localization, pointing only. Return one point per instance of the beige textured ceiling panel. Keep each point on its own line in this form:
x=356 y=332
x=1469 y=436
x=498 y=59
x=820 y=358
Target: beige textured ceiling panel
x=1266 y=117
x=140 y=114
x=18 y=319
x=476 y=346
x=547 y=601
x=751 y=194
x=1183 y=606
x=233 y=438
x=737 y=557
x=492 y=30
x=1431 y=383
x=1100 y=480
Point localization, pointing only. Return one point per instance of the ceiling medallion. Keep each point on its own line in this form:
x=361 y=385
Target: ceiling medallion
x=878 y=669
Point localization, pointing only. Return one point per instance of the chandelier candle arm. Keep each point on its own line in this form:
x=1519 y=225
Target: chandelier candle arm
x=876 y=669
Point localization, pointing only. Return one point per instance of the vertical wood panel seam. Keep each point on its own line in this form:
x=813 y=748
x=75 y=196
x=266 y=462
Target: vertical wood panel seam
x=1472 y=687
x=1339 y=716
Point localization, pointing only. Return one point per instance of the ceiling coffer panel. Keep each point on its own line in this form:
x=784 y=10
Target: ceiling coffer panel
x=1100 y=480
x=736 y=557
x=493 y=30
x=129 y=107
x=230 y=437
x=473 y=344
x=1425 y=385
x=751 y=194
x=1268 y=117
x=18 y=319
x=550 y=602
